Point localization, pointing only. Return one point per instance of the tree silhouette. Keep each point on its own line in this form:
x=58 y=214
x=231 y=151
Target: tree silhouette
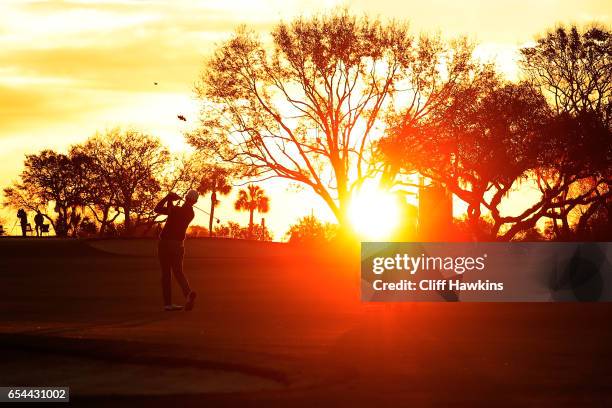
x=306 y=110
x=573 y=68
x=252 y=199
x=234 y=230
x=489 y=138
x=52 y=178
x=216 y=181
x=575 y=177
x=311 y=230
x=132 y=165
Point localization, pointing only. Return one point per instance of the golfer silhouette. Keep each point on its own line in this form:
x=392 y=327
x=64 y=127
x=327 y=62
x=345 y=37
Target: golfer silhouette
x=38 y=223
x=171 y=247
x=23 y=220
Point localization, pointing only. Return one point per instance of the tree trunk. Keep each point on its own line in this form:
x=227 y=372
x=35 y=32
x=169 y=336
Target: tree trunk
x=213 y=202
x=556 y=231
x=127 y=223
x=341 y=213
x=103 y=222
x=61 y=229
x=251 y=214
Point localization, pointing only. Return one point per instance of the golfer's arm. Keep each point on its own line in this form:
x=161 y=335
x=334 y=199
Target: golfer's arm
x=161 y=207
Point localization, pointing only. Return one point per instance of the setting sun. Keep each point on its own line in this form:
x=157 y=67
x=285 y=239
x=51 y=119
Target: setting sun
x=374 y=214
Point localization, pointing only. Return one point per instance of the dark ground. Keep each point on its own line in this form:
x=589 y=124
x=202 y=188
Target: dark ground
x=279 y=326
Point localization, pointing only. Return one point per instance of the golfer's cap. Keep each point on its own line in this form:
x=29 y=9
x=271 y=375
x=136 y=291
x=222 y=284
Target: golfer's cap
x=192 y=196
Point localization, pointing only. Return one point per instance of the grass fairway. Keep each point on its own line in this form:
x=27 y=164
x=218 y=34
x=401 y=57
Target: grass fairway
x=277 y=325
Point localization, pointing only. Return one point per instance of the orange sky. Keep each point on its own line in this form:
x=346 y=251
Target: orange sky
x=69 y=68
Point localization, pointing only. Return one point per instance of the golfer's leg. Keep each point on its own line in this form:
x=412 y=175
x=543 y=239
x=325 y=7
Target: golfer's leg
x=165 y=261
x=177 y=268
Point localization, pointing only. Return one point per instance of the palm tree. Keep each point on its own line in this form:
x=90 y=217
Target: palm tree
x=216 y=180
x=252 y=199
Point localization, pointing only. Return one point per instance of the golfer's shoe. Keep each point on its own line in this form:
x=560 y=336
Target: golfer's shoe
x=173 y=308
x=190 y=301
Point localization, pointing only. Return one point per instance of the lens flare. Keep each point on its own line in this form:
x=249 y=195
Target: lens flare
x=374 y=214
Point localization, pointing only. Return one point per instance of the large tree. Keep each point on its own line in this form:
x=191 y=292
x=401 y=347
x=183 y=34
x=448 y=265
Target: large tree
x=130 y=166
x=479 y=147
x=51 y=178
x=444 y=79
x=305 y=107
x=573 y=68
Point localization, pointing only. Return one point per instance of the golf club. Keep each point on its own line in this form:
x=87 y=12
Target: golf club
x=204 y=211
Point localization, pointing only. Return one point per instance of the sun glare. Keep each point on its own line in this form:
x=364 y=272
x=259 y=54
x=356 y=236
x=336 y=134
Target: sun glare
x=374 y=214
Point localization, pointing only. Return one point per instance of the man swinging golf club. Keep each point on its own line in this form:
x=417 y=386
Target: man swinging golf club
x=171 y=248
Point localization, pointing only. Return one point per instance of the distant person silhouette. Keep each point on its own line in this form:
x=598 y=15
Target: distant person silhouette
x=23 y=220
x=38 y=223
x=171 y=247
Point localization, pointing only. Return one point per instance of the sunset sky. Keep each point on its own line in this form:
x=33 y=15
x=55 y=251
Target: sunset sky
x=69 y=68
